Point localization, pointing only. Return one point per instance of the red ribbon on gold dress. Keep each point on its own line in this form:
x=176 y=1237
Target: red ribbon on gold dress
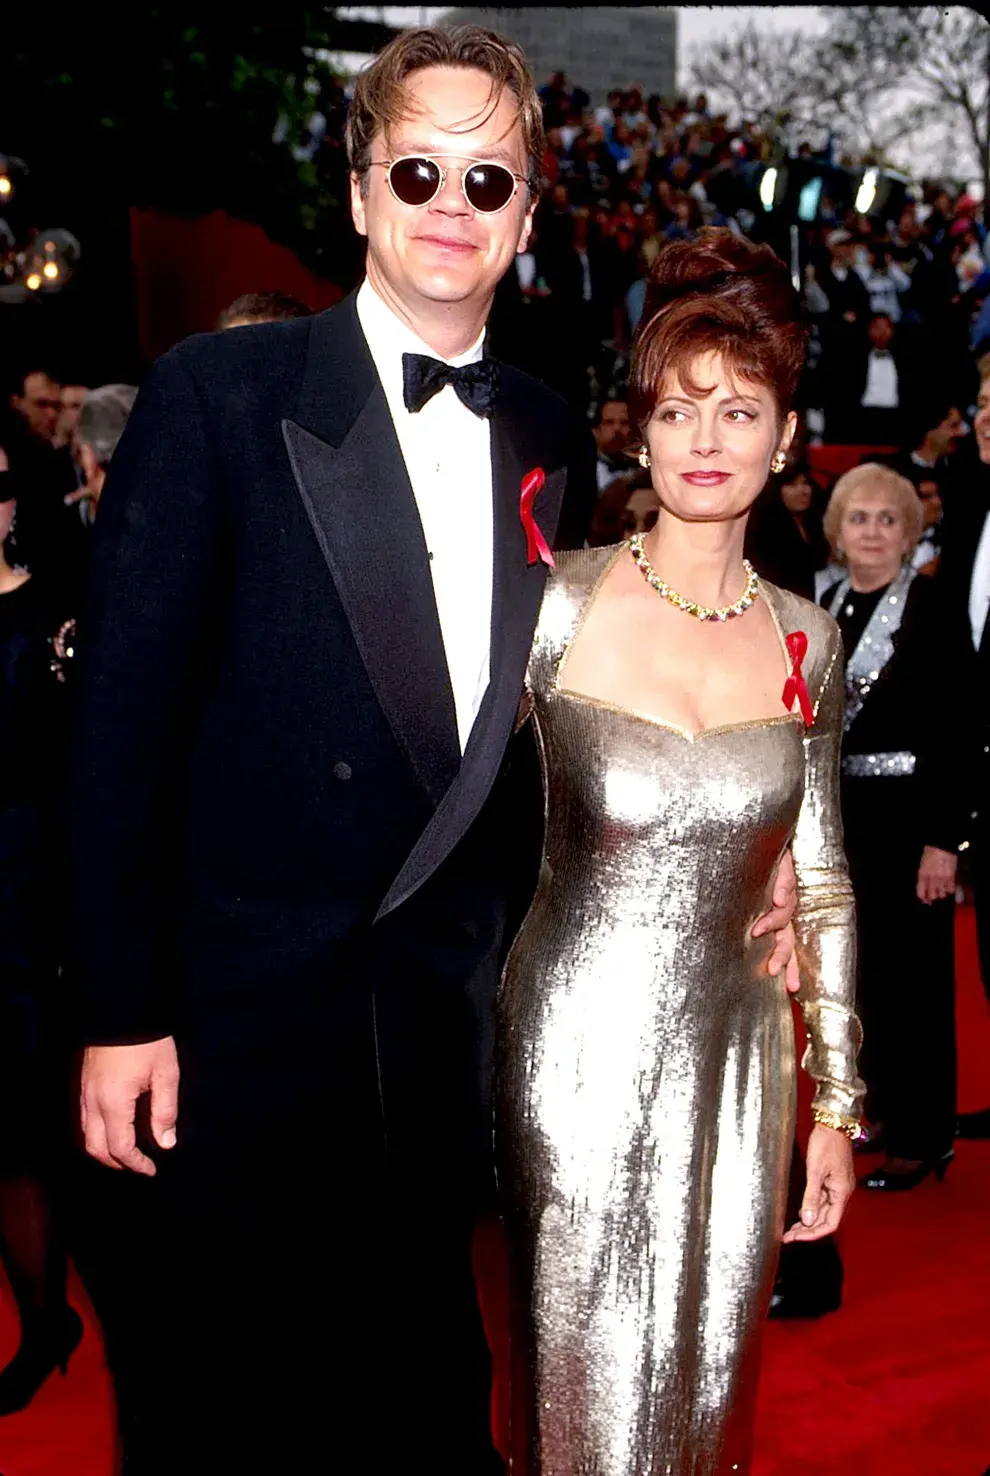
x=536 y=544
x=795 y=686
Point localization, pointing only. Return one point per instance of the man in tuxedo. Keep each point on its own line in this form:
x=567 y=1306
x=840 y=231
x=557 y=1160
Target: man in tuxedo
x=877 y=386
x=302 y=833
x=50 y=540
x=936 y=429
x=965 y=572
x=613 y=433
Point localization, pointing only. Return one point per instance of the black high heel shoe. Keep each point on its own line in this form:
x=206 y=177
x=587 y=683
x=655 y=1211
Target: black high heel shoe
x=893 y=1180
x=809 y=1280
x=973 y=1124
x=42 y=1351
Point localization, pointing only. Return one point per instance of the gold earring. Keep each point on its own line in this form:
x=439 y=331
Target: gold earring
x=644 y=458
x=778 y=462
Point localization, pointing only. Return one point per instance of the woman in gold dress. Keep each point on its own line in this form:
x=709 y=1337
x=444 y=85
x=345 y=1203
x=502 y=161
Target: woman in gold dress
x=646 y=1059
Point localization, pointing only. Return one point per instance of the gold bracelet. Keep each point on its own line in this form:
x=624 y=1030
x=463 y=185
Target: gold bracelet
x=851 y=1126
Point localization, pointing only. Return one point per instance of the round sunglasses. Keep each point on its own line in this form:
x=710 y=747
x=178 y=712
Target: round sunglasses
x=416 y=179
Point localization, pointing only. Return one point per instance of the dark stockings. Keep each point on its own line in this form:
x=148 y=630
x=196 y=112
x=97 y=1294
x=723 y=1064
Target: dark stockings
x=35 y=1261
x=33 y=1253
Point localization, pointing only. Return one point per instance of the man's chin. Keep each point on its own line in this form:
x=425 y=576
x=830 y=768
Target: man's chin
x=446 y=289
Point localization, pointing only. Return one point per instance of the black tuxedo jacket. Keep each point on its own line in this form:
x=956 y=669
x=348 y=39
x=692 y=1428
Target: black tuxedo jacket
x=279 y=855
x=965 y=515
x=849 y=371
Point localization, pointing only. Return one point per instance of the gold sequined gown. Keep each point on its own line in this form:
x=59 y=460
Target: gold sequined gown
x=646 y=1060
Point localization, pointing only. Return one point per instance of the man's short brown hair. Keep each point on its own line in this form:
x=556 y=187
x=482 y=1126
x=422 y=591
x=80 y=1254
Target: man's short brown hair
x=379 y=92
x=263 y=307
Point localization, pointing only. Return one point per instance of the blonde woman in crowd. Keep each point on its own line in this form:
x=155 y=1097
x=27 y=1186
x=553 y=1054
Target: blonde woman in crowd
x=905 y=763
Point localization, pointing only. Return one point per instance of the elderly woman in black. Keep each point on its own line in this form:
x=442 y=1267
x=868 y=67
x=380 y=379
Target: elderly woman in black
x=905 y=758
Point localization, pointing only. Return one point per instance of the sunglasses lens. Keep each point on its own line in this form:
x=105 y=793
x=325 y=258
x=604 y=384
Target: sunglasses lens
x=488 y=187
x=415 y=181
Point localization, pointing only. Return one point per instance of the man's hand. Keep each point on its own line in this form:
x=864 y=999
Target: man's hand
x=831 y=1180
x=936 y=875
x=113 y=1078
x=780 y=920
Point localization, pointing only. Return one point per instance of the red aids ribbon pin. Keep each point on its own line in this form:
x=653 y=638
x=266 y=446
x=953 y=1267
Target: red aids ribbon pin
x=795 y=686
x=536 y=544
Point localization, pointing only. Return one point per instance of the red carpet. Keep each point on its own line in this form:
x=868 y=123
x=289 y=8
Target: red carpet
x=895 y=1384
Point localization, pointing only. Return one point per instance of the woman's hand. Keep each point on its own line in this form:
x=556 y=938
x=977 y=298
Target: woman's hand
x=936 y=875
x=830 y=1182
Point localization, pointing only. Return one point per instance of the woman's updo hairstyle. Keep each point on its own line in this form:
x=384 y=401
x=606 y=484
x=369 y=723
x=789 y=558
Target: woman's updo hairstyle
x=717 y=294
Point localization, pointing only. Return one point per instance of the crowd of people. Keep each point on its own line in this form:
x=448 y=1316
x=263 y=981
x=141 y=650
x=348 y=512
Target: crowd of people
x=896 y=547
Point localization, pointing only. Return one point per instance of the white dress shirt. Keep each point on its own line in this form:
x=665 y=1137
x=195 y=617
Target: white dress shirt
x=526 y=269
x=447 y=451
x=881 y=382
x=979 y=586
x=605 y=474
x=586 y=292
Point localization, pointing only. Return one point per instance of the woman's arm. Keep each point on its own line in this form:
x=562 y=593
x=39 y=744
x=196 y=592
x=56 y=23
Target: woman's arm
x=826 y=917
x=826 y=939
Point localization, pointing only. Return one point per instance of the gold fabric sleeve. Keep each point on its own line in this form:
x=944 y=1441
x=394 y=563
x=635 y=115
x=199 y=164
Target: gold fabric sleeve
x=826 y=913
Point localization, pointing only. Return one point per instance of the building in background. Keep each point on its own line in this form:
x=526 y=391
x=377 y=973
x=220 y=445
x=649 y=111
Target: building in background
x=597 y=46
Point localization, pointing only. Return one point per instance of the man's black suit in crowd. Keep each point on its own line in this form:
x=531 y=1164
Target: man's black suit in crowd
x=967 y=511
x=281 y=859
x=851 y=420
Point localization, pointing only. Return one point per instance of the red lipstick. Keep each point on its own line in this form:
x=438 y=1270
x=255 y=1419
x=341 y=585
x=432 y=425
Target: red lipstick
x=706 y=478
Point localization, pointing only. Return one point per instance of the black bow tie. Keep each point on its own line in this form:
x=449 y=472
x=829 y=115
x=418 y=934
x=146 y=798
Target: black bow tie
x=423 y=377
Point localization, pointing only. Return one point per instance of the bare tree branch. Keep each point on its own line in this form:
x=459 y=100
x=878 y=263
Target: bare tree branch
x=877 y=76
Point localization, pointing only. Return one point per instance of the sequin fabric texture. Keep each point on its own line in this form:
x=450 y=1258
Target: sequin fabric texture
x=646 y=1061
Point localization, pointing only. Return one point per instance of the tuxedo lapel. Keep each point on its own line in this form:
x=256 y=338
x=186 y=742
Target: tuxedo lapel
x=518 y=585
x=352 y=479
x=517 y=592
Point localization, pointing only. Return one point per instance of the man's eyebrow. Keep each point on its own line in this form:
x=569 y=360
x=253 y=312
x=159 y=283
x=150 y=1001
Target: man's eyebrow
x=493 y=151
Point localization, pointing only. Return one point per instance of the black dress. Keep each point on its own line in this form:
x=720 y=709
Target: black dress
x=906 y=757
x=30 y=734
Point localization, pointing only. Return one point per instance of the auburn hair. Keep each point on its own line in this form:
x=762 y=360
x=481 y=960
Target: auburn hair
x=717 y=294
x=380 y=102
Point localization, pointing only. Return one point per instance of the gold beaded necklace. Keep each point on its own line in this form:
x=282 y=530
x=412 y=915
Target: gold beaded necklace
x=691 y=607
